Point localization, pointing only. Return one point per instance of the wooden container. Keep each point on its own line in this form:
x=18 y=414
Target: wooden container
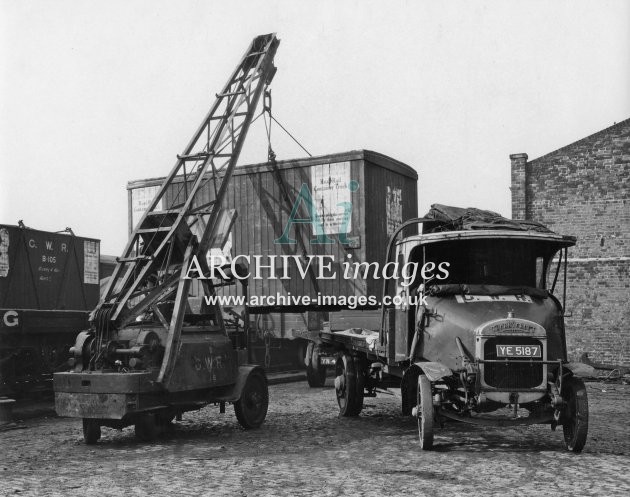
x=358 y=198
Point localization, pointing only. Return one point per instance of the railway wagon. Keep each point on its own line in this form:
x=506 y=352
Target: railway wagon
x=341 y=206
x=48 y=284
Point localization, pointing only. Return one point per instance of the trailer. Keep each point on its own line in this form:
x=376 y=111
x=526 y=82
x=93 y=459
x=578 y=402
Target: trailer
x=48 y=284
x=479 y=329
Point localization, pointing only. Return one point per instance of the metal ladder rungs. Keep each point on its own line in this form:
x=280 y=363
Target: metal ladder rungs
x=230 y=94
x=162 y=213
x=135 y=259
x=154 y=230
x=238 y=114
x=199 y=209
x=201 y=156
x=194 y=157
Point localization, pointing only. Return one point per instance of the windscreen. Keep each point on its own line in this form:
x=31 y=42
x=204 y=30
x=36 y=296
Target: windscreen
x=505 y=262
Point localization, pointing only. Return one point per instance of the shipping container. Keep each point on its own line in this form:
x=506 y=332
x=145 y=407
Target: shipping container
x=49 y=282
x=343 y=206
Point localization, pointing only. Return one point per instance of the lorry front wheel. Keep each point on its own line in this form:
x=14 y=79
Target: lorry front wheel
x=425 y=412
x=575 y=415
x=251 y=408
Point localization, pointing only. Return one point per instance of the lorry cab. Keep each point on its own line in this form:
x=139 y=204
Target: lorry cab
x=472 y=323
x=494 y=300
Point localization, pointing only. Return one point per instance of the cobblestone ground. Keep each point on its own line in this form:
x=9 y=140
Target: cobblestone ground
x=305 y=449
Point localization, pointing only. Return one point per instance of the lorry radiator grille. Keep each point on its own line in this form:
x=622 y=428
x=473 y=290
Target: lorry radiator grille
x=516 y=373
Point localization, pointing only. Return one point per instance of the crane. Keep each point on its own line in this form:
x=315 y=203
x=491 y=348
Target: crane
x=147 y=357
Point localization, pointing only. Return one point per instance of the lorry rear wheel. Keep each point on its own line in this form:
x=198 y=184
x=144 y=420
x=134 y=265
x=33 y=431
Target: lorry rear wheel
x=575 y=415
x=315 y=371
x=346 y=386
x=251 y=408
x=91 y=431
x=425 y=413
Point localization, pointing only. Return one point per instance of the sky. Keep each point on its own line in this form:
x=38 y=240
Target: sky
x=95 y=94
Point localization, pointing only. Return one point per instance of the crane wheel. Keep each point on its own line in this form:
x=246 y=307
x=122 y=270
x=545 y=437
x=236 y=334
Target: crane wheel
x=251 y=408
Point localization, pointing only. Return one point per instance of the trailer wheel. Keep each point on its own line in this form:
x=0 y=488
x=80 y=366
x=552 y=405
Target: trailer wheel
x=425 y=413
x=346 y=386
x=251 y=408
x=301 y=354
x=315 y=371
x=91 y=431
x=146 y=428
x=575 y=415
x=360 y=368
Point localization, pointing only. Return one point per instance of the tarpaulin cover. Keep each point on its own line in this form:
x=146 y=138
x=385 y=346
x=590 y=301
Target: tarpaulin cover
x=464 y=289
x=448 y=218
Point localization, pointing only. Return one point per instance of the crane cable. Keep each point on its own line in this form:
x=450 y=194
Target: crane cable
x=267 y=110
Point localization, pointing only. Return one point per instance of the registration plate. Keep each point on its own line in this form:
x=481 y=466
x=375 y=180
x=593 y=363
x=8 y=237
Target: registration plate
x=327 y=361
x=518 y=351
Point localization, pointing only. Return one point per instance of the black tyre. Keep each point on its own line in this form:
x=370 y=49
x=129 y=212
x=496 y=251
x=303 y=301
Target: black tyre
x=408 y=387
x=346 y=386
x=300 y=357
x=360 y=368
x=575 y=415
x=315 y=371
x=91 y=431
x=147 y=428
x=251 y=408
x=164 y=421
x=425 y=413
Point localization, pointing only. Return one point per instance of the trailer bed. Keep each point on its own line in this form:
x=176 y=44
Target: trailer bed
x=356 y=339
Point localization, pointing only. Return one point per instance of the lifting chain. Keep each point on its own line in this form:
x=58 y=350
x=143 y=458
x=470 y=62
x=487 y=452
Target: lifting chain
x=267 y=349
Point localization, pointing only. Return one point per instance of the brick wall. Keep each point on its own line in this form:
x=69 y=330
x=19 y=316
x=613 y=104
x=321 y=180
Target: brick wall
x=583 y=189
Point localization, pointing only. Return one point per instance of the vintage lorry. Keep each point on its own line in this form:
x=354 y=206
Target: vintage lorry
x=482 y=341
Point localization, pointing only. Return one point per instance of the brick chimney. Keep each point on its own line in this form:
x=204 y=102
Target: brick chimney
x=518 y=188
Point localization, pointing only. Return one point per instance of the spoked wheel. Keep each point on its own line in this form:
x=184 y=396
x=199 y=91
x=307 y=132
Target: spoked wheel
x=91 y=431
x=350 y=403
x=147 y=428
x=425 y=413
x=301 y=349
x=251 y=408
x=575 y=415
x=360 y=369
x=315 y=371
x=408 y=387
